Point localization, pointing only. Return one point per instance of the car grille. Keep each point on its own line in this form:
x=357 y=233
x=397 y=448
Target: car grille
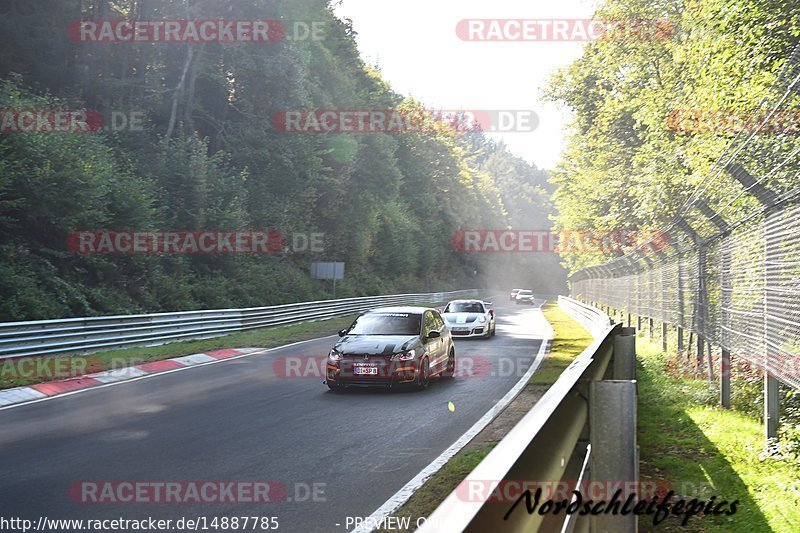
x=365 y=381
x=381 y=362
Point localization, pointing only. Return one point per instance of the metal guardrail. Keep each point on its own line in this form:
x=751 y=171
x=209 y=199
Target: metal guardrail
x=71 y=335
x=591 y=318
x=583 y=428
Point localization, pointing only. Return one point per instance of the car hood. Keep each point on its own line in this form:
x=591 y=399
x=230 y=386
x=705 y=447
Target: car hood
x=461 y=318
x=375 y=344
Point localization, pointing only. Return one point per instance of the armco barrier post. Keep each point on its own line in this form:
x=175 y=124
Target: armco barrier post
x=612 y=433
x=625 y=354
x=771 y=405
x=725 y=379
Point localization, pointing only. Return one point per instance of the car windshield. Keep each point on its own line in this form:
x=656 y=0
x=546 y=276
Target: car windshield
x=463 y=307
x=386 y=324
x=525 y=293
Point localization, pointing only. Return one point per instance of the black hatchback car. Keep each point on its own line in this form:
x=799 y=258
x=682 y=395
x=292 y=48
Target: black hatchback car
x=392 y=346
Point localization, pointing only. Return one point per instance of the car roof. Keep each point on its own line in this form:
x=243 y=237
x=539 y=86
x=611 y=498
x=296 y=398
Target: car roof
x=409 y=309
x=526 y=290
x=466 y=302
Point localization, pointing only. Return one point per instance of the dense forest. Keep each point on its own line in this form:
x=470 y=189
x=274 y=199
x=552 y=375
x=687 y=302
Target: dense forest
x=208 y=157
x=627 y=165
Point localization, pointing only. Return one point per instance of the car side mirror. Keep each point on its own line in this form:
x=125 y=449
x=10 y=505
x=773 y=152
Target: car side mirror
x=434 y=334
x=491 y=312
x=342 y=332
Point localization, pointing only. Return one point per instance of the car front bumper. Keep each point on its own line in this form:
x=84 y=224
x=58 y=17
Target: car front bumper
x=389 y=372
x=469 y=330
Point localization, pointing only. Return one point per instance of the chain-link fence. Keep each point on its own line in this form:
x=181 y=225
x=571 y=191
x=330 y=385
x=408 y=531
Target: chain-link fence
x=727 y=269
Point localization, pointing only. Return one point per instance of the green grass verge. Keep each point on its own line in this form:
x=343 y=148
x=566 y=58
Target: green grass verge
x=570 y=339
x=703 y=451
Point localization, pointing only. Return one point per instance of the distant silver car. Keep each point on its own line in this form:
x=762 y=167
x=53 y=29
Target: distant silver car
x=513 y=294
x=470 y=318
x=524 y=297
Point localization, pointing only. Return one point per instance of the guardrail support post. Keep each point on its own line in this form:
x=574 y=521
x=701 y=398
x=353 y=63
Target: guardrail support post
x=651 y=327
x=625 y=354
x=772 y=337
x=771 y=404
x=725 y=379
x=664 y=333
x=680 y=340
x=614 y=464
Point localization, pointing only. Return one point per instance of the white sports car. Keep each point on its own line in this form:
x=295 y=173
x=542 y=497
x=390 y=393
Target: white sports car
x=470 y=318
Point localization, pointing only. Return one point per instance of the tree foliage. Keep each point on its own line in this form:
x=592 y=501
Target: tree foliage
x=624 y=166
x=210 y=158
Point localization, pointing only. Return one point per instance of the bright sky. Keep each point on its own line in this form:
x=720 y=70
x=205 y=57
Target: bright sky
x=416 y=47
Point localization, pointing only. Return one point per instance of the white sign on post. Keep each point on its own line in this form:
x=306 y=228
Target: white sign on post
x=322 y=270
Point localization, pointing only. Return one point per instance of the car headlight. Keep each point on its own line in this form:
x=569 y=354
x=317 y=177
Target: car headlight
x=481 y=319
x=334 y=355
x=405 y=356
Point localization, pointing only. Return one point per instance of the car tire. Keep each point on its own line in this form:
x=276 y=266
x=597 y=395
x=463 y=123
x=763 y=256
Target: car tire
x=450 y=370
x=335 y=388
x=424 y=378
x=493 y=331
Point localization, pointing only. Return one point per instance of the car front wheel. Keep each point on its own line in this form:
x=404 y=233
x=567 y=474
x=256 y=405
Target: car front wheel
x=450 y=370
x=424 y=378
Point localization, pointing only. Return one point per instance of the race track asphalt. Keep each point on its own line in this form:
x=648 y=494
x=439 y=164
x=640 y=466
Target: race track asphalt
x=245 y=420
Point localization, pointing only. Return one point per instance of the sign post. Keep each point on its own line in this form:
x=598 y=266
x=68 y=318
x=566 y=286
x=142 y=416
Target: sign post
x=334 y=271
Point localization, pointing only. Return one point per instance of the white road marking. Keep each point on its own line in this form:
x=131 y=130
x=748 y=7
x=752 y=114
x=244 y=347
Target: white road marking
x=110 y=376
x=196 y=359
x=20 y=394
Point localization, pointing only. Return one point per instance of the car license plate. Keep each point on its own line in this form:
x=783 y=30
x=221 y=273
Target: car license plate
x=365 y=370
